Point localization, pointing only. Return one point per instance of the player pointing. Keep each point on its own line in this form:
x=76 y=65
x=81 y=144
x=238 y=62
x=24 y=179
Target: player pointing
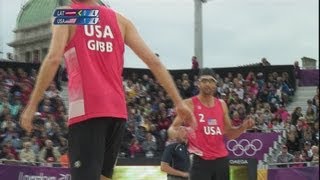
x=206 y=142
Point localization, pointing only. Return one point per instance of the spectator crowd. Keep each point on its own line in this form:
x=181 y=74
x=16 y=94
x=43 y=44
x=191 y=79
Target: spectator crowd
x=150 y=113
x=302 y=135
x=47 y=143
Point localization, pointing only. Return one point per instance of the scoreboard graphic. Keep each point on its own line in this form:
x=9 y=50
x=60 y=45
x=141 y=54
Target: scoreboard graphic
x=76 y=16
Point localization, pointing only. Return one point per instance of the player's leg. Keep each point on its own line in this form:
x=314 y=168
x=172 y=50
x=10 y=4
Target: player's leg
x=114 y=134
x=86 y=149
x=199 y=169
x=221 y=169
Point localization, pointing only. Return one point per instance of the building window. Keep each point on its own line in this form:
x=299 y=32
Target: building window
x=28 y=57
x=36 y=58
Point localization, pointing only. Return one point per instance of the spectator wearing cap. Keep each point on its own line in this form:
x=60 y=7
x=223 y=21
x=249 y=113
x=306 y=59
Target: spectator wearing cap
x=224 y=97
x=284 y=157
x=260 y=80
x=27 y=154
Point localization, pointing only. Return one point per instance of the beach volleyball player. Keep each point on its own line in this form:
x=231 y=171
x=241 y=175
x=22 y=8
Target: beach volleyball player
x=94 y=56
x=206 y=142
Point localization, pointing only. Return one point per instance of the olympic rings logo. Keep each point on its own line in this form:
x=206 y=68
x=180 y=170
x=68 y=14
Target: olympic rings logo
x=244 y=146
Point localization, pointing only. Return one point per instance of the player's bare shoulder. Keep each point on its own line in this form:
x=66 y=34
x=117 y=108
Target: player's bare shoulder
x=224 y=106
x=122 y=22
x=69 y=28
x=189 y=103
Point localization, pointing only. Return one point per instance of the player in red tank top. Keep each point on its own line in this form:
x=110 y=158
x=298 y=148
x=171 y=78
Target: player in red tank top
x=205 y=141
x=97 y=107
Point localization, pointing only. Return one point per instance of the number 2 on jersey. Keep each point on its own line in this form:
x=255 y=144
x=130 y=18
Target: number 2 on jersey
x=201 y=118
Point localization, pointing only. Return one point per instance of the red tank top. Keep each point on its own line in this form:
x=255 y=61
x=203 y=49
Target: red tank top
x=207 y=140
x=94 y=61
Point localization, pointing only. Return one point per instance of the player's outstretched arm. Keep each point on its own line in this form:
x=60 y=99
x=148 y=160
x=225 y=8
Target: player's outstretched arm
x=179 y=121
x=48 y=69
x=230 y=131
x=137 y=44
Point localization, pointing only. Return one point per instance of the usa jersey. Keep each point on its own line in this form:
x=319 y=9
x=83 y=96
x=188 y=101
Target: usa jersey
x=207 y=141
x=94 y=59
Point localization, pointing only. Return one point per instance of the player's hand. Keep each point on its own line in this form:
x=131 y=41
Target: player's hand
x=185 y=174
x=248 y=123
x=185 y=113
x=190 y=131
x=26 y=118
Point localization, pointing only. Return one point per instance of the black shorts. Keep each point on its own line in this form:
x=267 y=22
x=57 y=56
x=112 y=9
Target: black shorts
x=94 y=146
x=217 y=169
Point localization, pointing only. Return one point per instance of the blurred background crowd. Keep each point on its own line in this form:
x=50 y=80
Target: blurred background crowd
x=150 y=113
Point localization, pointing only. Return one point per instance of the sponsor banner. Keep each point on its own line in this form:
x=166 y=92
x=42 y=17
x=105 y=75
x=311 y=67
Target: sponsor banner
x=240 y=169
x=33 y=173
x=251 y=145
x=305 y=173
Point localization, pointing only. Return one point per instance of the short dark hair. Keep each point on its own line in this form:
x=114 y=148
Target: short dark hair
x=206 y=72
